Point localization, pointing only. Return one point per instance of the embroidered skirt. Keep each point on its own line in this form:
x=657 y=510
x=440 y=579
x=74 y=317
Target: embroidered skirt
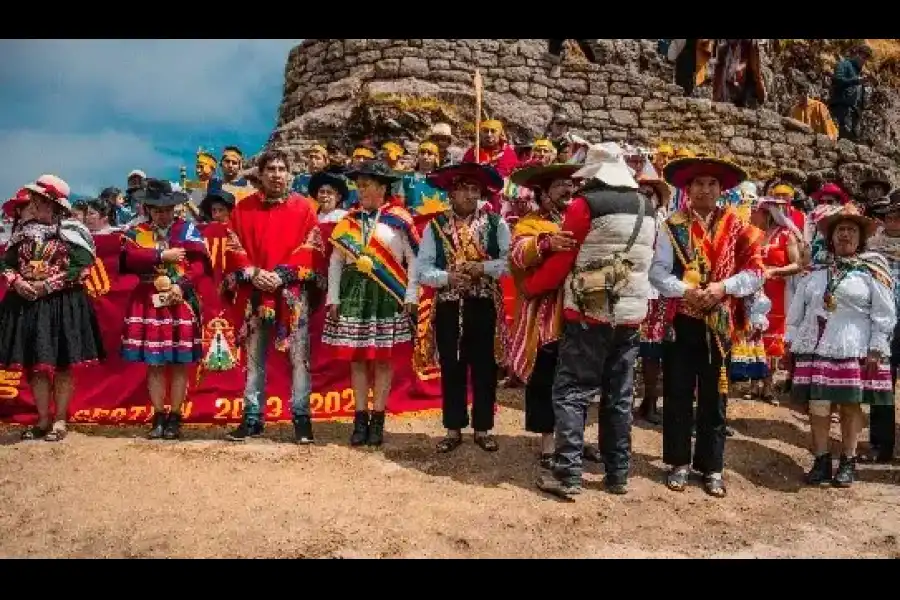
x=748 y=361
x=370 y=321
x=49 y=334
x=160 y=336
x=841 y=380
x=653 y=329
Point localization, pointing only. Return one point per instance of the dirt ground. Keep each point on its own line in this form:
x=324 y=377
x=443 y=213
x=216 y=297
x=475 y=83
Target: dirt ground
x=106 y=492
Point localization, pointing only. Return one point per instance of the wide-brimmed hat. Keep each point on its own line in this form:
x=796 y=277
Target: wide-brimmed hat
x=541 y=176
x=606 y=163
x=648 y=176
x=20 y=200
x=375 y=169
x=680 y=172
x=216 y=194
x=441 y=130
x=446 y=178
x=847 y=212
x=336 y=180
x=875 y=181
x=159 y=193
x=830 y=189
x=52 y=188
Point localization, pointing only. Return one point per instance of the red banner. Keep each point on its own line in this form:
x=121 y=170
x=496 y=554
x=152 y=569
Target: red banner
x=115 y=391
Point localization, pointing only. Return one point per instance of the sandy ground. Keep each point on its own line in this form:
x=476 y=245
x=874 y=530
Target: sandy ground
x=107 y=492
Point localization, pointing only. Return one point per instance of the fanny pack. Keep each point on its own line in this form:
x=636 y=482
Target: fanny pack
x=598 y=284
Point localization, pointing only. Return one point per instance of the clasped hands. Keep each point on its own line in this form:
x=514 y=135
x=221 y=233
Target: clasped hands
x=705 y=298
x=267 y=281
x=465 y=274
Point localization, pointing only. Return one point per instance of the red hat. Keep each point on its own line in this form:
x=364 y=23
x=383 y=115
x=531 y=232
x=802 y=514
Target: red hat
x=445 y=178
x=682 y=171
x=21 y=199
x=830 y=189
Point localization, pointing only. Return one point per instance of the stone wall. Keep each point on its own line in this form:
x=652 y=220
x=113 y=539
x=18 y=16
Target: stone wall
x=626 y=98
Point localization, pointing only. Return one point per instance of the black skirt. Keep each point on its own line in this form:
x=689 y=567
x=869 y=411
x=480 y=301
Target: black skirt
x=52 y=333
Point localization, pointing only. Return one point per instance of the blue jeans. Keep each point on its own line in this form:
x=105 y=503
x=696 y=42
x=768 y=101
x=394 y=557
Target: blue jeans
x=594 y=361
x=301 y=382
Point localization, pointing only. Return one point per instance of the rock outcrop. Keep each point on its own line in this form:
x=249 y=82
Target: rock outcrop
x=395 y=89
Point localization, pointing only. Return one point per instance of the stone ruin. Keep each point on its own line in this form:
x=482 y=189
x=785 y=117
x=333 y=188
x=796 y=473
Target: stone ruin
x=380 y=89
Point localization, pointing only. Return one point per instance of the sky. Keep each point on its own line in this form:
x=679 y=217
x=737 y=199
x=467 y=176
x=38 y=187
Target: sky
x=90 y=111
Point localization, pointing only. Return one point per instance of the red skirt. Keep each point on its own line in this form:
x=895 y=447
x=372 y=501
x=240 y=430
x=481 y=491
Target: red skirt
x=160 y=336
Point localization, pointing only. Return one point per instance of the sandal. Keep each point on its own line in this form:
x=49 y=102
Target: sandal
x=714 y=485
x=486 y=442
x=34 y=433
x=449 y=443
x=57 y=434
x=677 y=479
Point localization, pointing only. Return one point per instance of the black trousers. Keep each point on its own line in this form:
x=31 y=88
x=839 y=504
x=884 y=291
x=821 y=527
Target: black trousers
x=686 y=366
x=555 y=48
x=882 y=419
x=847 y=119
x=476 y=358
x=539 y=391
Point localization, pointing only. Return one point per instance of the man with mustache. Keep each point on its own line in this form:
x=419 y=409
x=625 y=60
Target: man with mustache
x=538 y=319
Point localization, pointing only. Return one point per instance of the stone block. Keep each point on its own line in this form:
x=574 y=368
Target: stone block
x=742 y=145
x=593 y=102
x=624 y=118
x=632 y=103
x=387 y=67
x=413 y=67
x=369 y=56
x=537 y=90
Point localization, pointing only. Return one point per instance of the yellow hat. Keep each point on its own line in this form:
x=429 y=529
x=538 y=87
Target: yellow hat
x=393 y=149
x=362 y=152
x=492 y=124
x=666 y=149
x=318 y=149
x=783 y=188
x=430 y=146
x=543 y=144
x=684 y=153
x=207 y=159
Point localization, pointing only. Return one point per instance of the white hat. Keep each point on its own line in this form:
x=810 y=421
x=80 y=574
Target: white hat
x=137 y=173
x=748 y=191
x=605 y=162
x=441 y=129
x=52 y=188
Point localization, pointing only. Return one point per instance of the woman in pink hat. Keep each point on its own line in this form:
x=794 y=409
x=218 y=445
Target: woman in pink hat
x=47 y=323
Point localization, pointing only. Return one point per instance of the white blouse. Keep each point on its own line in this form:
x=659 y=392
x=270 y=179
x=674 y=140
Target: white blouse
x=399 y=246
x=863 y=319
x=332 y=217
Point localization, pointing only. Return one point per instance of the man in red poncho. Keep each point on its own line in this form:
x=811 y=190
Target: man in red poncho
x=495 y=151
x=274 y=252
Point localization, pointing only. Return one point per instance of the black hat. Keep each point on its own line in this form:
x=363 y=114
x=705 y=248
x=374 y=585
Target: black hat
x=216 y=194
x=329 y=177
x=876 y=181
x=375 y=169
x=159 y=192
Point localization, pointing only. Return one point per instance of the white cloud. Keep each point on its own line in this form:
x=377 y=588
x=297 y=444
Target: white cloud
x=198 y=83
x=85 y=161
x=92 y=110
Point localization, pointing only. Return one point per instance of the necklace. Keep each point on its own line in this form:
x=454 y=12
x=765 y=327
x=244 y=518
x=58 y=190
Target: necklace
x=364 y=262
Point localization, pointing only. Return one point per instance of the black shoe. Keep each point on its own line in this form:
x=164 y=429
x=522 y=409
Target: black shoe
x=376 y=429
x=244 y=431
x=158 y=427
x=846 y=472
x=649 y=412
x=615 y=486
x=172 y=429
x=821 y=472
x=360 y=434
x=303 y=433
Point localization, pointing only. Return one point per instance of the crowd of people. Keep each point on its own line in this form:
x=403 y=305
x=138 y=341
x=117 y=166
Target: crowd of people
x=617 y=256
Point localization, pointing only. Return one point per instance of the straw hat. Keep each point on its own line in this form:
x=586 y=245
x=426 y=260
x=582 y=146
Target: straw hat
x=847 y=212
x=606 y=163
x=53 y=188
x=682 y=171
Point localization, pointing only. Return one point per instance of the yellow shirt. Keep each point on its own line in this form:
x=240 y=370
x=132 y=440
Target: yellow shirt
x=816 y=115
